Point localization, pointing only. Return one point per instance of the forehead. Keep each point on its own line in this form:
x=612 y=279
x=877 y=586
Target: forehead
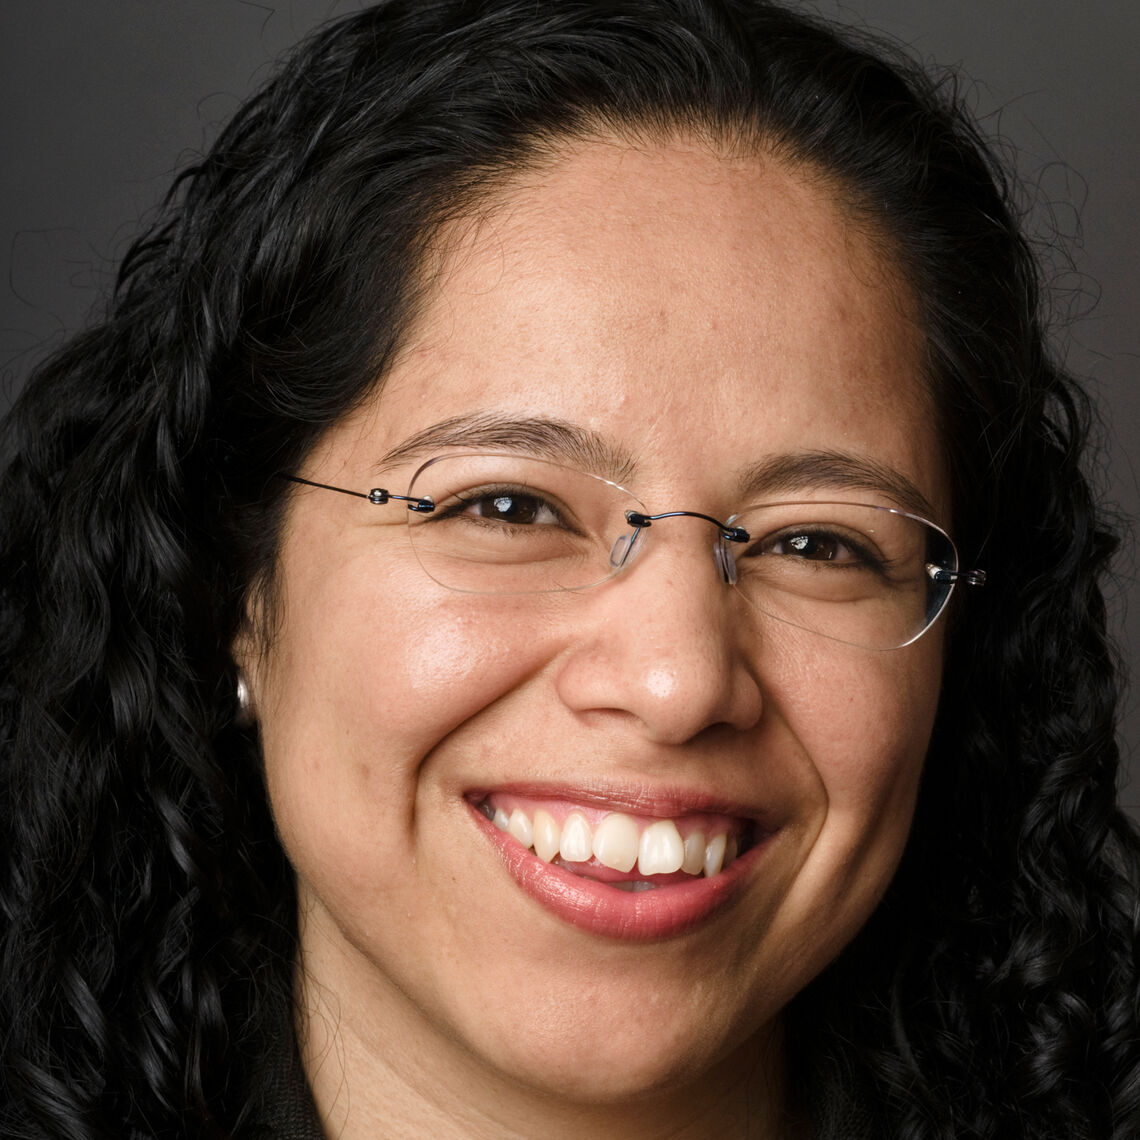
x=715 y=310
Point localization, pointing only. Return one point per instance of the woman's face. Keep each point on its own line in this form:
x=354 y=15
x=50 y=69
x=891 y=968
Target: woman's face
x=695 y=320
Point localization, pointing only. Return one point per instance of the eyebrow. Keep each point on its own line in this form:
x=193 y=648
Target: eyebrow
x=543 y=437
x=839 y=470
x=565 y=442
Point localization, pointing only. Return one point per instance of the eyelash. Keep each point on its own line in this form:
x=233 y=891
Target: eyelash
x=860 y=554
x=465 y=500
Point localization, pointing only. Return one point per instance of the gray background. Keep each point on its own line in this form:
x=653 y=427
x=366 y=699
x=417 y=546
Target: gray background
x=104 y=99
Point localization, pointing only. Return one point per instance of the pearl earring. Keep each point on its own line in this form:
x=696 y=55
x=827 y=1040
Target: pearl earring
x=245 y=702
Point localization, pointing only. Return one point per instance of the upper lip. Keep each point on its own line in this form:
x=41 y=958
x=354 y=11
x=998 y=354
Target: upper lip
x=656 y=801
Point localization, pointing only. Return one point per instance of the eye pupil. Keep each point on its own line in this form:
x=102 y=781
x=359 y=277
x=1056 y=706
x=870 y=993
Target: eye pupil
x=513 y=508
x=819 y=548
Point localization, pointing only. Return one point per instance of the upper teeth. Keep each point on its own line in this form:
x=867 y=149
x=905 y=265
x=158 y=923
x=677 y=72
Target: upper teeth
x=617 y=841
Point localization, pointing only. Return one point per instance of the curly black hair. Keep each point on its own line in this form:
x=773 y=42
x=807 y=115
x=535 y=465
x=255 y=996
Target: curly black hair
x=149 y=926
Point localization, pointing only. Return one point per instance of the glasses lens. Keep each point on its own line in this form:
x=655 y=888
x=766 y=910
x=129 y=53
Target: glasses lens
x=868 y=576
x=507 y=524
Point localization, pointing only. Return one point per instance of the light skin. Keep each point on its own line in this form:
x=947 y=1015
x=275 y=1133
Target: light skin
x=702 y=314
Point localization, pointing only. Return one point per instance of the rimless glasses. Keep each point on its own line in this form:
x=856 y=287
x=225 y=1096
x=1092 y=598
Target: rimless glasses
x=869 y=576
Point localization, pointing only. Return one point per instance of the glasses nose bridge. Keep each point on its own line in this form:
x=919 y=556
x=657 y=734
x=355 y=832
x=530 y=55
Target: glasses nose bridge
x=631 y=545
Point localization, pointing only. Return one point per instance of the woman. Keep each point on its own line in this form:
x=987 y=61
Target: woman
x=487 y=646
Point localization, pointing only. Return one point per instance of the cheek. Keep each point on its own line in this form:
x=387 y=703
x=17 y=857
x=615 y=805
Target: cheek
x=458 y=660
x=445 y=670
x=870 y=756
x=864 y=732
x=357 y=697
x=863 y=719
x=361 y=700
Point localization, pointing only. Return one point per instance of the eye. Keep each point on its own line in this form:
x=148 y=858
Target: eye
x=514 y=506
x=820 y=546
x=816 y=547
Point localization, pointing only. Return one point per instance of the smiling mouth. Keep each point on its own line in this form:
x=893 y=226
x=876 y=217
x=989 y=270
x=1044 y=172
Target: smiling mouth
x=621 y=850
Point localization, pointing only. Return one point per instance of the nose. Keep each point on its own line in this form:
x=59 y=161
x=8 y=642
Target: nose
x=665 y=644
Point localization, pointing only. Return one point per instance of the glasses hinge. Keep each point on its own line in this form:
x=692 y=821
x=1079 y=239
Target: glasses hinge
x=952 y=577
x=379 y=495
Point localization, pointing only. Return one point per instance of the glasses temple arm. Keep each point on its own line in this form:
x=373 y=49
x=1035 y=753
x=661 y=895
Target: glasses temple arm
x=377 y=495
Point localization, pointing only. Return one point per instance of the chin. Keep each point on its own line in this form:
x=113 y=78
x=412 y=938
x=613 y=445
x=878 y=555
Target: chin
x=599 y=1053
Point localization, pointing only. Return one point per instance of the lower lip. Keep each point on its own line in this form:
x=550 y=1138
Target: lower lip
x=636 y=916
